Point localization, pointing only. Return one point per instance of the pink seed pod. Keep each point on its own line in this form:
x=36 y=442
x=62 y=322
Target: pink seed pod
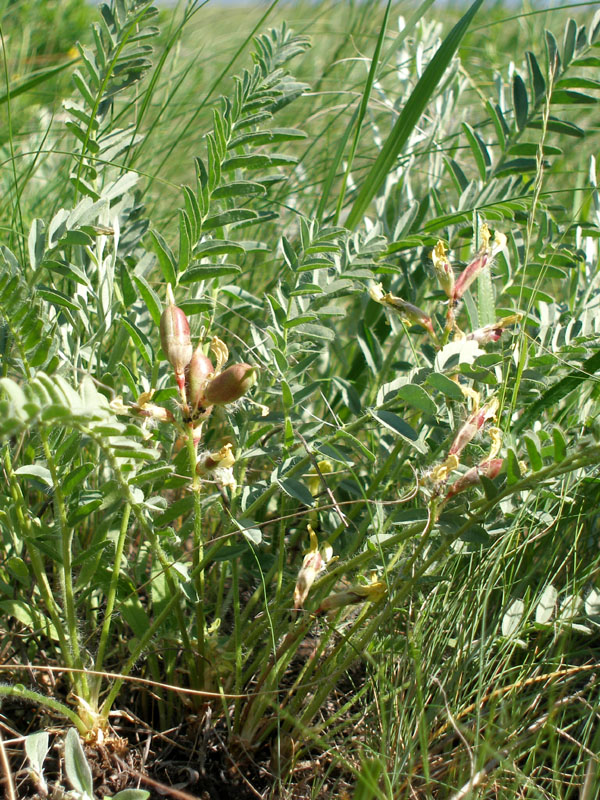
x=175 y=338
x=491 y=469
x=230 y=385
x=197 y=374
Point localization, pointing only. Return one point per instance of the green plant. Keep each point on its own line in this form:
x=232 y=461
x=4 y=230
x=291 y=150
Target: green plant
x=403 y=404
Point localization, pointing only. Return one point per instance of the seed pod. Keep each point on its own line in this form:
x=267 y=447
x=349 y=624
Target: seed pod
x=230 y=385
x=175 y=336
x=197 y=374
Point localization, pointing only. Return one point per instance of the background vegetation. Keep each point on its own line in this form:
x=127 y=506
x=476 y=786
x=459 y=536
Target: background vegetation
x=375 y=574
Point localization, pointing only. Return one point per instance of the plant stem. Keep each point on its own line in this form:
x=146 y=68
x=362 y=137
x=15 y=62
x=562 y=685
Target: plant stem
x=37 y=563
x=41 y=699
x=148 y=530
x=66 y=570
x=198 y=555
x=110 y=601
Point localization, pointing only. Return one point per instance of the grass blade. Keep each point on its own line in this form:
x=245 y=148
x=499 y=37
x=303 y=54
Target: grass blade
x=362 y=110
x=410 y=116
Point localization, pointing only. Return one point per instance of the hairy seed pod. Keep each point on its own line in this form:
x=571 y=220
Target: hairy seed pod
x=230 y=385
x=197 y=374
x=175 y=338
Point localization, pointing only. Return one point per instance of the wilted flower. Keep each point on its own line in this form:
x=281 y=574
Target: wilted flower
x=474 y=423
x=406 y=310
x=490 y=468
x=314 y=562
x=491 y=333
x=220 y=351
x=354 y=594
x=219 y=466
x=443 y=268
x=142 y=407
x=486 y=252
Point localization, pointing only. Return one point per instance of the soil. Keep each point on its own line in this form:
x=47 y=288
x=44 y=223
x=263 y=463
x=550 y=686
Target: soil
x=192 y=760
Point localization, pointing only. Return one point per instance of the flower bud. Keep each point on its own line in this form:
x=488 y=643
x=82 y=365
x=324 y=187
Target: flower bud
x=230 y=385
x=197 y=375
x=175 y=338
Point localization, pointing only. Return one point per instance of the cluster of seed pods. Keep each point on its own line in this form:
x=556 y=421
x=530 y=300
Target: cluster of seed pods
x=202 y=384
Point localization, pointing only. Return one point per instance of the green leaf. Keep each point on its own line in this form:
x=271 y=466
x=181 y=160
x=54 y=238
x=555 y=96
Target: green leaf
x=520 y=103
x=76 y=476
x=57 y=298
x=86 y=504
x=76 y=765
x=131 y=794
x=475 y=534
x=297 y=490
x=166 y=259
x=569 y=40
x=443 y=384
x=394 y=423
x=229 y=216
x=479 y=150
x=513 y=473
x=238 y=189
x=191 y=307
x=217 y=247
x=185 y=230
x=500 y=124
x=36 y=748
x=536 y=79
x=36 y=242
x=567 y=97
x=409 y=117
x=28 y=615
x=417 y=397
x=18 y=568
x=36 y=471
x=577 y=83
x=150 y=297
x=193 y=211
x=512 y=618
x=534 y=449
x=258 y=161
x=139 y=339
x=273 y=136
x=559 y=126
x=560 y=444
x=203 y=272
